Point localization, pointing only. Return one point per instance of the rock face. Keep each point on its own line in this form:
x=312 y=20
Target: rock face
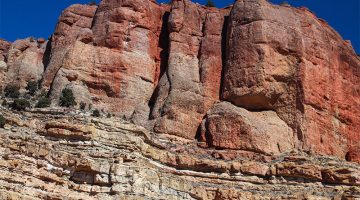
x=112 y=57
x=164 y=67
x=4 y=47
x=191 y=82
x=74 y=23
x=24 y=61
x=252 y=101
x=305 y=72
x=57 y=155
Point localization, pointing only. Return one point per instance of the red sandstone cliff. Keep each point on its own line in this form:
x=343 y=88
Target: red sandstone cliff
x=255 y=77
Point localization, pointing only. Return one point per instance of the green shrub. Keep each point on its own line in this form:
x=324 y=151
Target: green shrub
x=4 y=103
x=32 y=39
x=32 y=87
x=284 y=3
x=96 y=113
x=210 y=3
x=43 y=102
x=2 y=121
x=108 y=115
x=12 y=91
x=43 y=93
x=82 y=106
x=92 y=3
x=20 y=104
x=67 y=98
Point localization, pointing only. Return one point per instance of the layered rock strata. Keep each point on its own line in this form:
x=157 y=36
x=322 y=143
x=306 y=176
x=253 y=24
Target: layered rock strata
x=57 y=154
x=253 y=101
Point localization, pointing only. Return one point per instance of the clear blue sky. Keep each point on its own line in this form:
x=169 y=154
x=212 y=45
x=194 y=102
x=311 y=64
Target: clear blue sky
x=23 y=18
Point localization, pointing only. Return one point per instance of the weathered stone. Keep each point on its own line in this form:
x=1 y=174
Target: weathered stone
x=24 y=62
x=191 y=83
x=269 y=92
x=230 y=127
x=121 y=163
x=69 y=131
x=287 y=60
x=72 y=20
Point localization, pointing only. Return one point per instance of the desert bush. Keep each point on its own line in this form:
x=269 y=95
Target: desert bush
x=284 y=3
x=32 y=87
x=67 y=98
x=82 y=106
x=4 y=103
x=12 y=91
x=210 y=3
x=2 y=121
x=108 y=115
x=96 y=113
x=92 y=3
x=20 y=104
x=43 y=93
x=43 y=102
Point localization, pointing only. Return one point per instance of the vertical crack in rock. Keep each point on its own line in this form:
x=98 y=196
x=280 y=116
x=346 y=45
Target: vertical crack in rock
x=47 y=54
x=194 y=73
x=164 y=42
x=224 y=39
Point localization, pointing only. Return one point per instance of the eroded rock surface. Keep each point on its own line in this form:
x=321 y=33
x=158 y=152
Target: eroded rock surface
x=24 y=62
x=4 y=47
x=118 y=160
x=229 y=127
x=253 y=101
x=191 y=82
x=285 y=59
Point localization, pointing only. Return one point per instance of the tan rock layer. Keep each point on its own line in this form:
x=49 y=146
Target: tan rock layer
x=124 y=161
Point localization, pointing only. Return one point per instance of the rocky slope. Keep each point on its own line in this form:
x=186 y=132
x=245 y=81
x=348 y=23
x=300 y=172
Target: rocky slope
x=252 y=101
x=57 y=154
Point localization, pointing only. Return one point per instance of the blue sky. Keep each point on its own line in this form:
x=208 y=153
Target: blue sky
x=23 y=18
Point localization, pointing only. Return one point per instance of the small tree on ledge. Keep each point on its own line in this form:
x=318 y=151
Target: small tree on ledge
x=32 y=87
x=210 y=3
x=67 y=98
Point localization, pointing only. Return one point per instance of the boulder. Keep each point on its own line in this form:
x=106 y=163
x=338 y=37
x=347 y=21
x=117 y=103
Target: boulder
x=229 y=127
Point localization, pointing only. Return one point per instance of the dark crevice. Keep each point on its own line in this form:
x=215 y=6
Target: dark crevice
x=47 y=53
x=299 y=98
x=199 y=136
x=164 y=44
x=199 y=53
x=224 y=34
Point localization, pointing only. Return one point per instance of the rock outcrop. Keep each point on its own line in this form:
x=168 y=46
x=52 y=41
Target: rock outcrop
x=111 y=57
x=25 y=61
x=252 y=101
x=191 y=82
x=21 y=61
x=59 y=154
x=4 y=47
x=229 y=127
x=164 y=67
x=286 y=60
